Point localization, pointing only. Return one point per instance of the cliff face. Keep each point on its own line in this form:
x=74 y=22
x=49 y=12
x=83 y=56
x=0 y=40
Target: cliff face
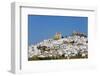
x=74 y=46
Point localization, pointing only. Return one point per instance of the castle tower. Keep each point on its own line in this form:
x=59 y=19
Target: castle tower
x=57 y=36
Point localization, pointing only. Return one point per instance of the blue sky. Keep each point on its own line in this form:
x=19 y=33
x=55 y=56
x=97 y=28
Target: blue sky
x=42 y=27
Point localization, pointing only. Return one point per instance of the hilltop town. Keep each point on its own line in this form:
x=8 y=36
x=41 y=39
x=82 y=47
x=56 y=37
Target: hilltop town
x=74 y=46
